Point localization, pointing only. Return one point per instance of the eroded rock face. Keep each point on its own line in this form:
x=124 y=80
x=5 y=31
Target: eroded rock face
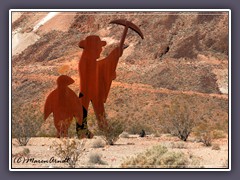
x=175 y=35
x=181 y=36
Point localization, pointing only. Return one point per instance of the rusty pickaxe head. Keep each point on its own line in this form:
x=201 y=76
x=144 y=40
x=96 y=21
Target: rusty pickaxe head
x=127 y=25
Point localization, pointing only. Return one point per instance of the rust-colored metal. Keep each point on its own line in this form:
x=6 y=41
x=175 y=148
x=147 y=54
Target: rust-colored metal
x=127 y=25
x=96 y=75
x=64 y=104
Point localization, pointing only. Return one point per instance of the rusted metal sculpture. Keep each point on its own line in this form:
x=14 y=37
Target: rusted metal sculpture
x=127 y=25
x=64 y=104
x=96 y=75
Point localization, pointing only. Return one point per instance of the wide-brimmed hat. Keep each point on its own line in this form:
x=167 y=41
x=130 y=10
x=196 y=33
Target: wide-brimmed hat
x=92 y=38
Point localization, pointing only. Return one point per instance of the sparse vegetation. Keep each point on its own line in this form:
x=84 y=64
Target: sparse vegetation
x=180 y=117
x=157 y=157
x=96 y=158
x=216 y=147
x=98 y=143
x=204 y=132
x=136 y=127
x=24 y=153
x=111 y=133
x=70 y=150
x=26 y=122
x=217 y=134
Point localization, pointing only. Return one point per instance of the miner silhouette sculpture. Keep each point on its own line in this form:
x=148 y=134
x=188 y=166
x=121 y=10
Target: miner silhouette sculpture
x=64 y=104
x=96 y=75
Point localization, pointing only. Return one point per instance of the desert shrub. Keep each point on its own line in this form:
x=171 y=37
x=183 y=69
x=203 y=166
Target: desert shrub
x=217 y=134
x=157 y=134
x=204 y=132
x=180 y=117
x=136 y=127
x=24 y=153
x=216 y=147
x=157 y=157
x=70 y=150
x=111 y=133
x=213 y=125
x=98 y=143
x=26 y=122
x=207 y=139
x=96 y=158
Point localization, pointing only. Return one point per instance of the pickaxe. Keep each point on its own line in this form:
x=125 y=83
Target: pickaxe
x=127 y=25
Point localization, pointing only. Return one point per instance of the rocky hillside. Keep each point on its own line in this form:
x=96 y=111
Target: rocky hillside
x=181 y=53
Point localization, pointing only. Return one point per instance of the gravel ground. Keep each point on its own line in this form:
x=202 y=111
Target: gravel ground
x=113 y=156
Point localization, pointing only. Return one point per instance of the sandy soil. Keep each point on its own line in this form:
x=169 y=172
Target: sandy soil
x=113 y=156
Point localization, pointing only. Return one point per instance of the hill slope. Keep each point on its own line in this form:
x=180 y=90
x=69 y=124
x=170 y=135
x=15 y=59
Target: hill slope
x=183 y=53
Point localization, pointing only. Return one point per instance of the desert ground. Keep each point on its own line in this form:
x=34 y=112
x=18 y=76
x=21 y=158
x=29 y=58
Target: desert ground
x=114 y=155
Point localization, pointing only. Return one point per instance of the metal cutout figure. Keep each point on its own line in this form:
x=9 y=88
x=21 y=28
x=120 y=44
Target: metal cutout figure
x=64 y=104
x=96 y=75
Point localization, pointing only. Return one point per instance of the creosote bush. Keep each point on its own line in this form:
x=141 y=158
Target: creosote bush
x=204 y=132
x=26 y=122
x=157 y=157
x=111 y=133
x=180 y=116
x=135 y=127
